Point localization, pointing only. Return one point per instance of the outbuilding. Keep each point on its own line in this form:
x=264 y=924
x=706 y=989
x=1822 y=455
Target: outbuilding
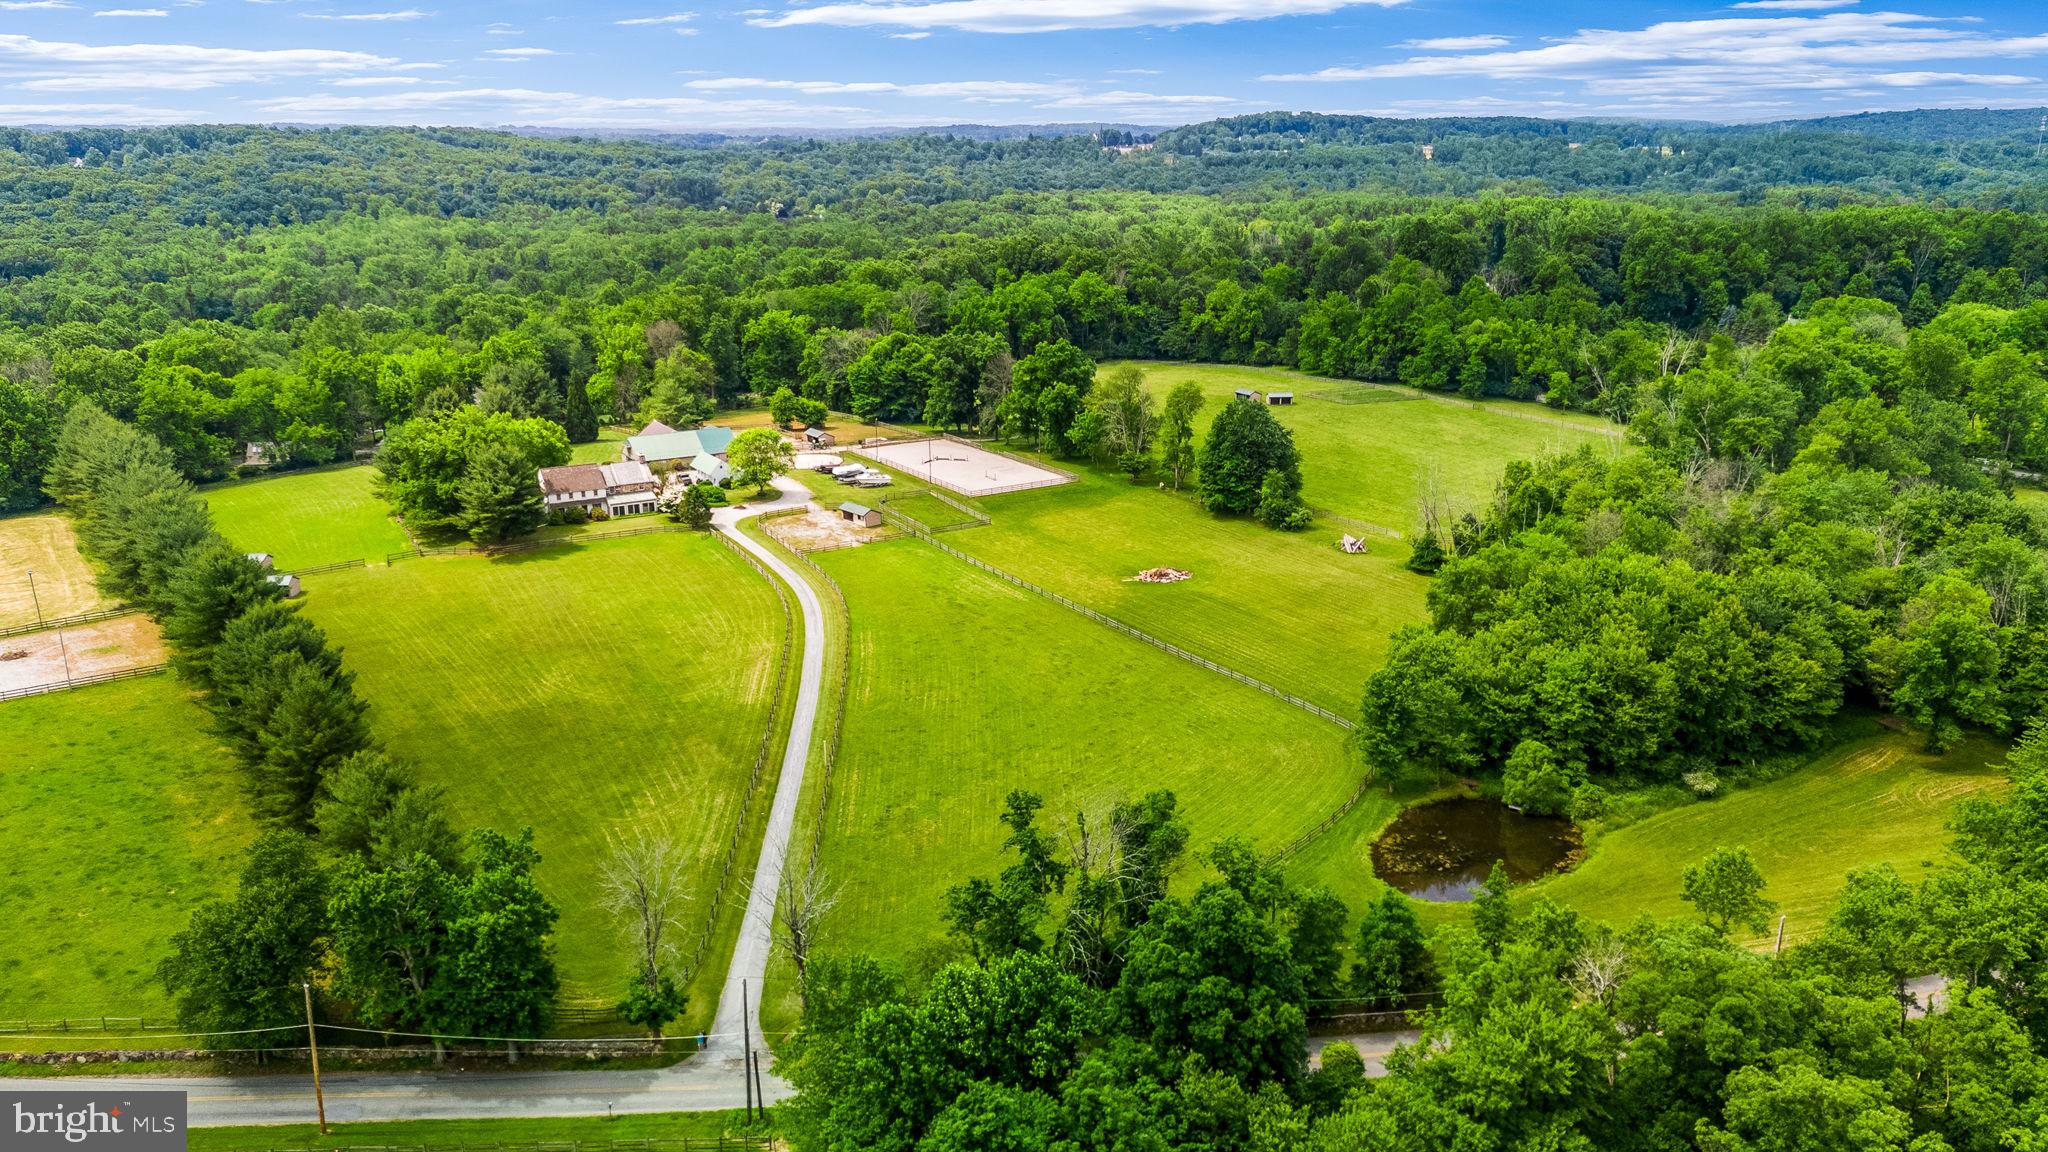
x=260 y=559
x=1247 y=394
x=818 y=437
x=1279 y=397
x=286 y=581
x=861 y=514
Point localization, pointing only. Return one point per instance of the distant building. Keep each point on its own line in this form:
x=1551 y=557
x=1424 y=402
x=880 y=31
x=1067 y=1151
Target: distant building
x=1247 y=394
x=709 y=469
x=1279 y=397
x=260 y=559
x=861 y=514
x=817 y=437
x=286 y=581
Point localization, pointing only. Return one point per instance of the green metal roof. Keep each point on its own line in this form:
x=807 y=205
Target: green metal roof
x=685 y=445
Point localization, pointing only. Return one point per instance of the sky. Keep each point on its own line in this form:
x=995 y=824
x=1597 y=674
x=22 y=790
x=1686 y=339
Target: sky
x=700 y=66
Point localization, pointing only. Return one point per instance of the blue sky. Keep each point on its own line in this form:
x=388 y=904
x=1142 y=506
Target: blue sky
x=856 y=63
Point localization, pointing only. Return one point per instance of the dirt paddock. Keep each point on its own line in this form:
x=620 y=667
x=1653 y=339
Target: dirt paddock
x=102 y=646
x=819 y=529
x=961 y=468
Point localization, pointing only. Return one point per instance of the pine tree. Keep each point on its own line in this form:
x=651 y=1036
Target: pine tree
x=317 y=723
x=499 y=496
x=216 y=585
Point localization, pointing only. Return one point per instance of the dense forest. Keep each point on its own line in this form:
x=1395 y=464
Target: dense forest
x=1826 y=342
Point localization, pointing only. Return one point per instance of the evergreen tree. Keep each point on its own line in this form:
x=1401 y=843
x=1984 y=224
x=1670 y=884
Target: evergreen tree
x=217 y=584
x=316 y=723
x=499 y=495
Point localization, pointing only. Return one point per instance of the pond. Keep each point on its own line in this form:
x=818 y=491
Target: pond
x=1444 y=850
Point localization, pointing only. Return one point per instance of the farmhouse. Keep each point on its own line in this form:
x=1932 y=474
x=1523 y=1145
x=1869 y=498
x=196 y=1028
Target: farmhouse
x=624 y=488
x=675 y=449
x=861 y=514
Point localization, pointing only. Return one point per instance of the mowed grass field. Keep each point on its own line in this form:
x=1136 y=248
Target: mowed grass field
x=306 y=519
x=1289 y=608
x=1877 y=799
x=582 y=691
x=964 y=688
x=1372 y=452
x=43 y=543
x=120 y=813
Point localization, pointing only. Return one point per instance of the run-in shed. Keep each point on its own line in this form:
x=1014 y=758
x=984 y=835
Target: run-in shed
x=861 y=514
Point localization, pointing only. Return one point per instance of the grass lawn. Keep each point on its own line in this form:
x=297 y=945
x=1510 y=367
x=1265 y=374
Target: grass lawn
x=119 y=813
x=1876 y=799
x=554 y=1129
x=2035 y=498
x=602 y=450
x=579 y=690
x=965 y=688
x=1288 y=608
x=43 y=543
x=306 y=519
x=1370 y=452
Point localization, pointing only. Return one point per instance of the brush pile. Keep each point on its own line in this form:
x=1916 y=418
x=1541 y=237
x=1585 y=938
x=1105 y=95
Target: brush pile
x=1162 y=576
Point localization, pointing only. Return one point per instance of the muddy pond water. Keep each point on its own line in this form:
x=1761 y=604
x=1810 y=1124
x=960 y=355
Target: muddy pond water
x=1444 y=850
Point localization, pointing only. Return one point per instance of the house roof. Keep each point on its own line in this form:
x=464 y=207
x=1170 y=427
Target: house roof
x=710 y=465
x=627 y=476
x=855 y=509
x=571 y=478
x=683 y=445
x=656 y=428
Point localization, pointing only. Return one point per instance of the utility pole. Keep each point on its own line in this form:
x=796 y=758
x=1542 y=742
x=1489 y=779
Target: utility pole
x=313 y=1046
x=759 y=1095
x=747 y=1046
x=1781 y=936
x=62 y=649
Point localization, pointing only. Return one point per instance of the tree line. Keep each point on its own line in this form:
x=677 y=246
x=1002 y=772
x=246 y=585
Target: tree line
x=1092 y=1006
x=360 y=879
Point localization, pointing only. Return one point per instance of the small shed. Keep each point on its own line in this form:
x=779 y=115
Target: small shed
x=818 y=438
x=286 y=581
x=260 y=559
x=1247 y=394
x=1351 y=544
x=861 y=514
x=1279 y=397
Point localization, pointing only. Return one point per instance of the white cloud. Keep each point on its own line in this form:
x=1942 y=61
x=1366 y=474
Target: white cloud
x=520 y=53
x=1459 y=43
x=1795 y=5
x=1701 y=65
x=1050 y=15
x=376 y=81
x=374 y=17
x=558 y=109
x=93 y=114
x=910 y=35
x=944 y=89
x=673 y=18
x=53 y=65
x=33 y=5
x=133 y=12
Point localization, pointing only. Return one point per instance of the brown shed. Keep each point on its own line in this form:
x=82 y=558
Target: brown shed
x=861 y=514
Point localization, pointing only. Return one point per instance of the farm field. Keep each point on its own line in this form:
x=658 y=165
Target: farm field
x=1372 y=454
x=578 y=690
x=1877 y=799
x=120 y=813
x=964 y=688
x=602 y=450
x=81 y=650
x=43 y=543
x=1288 y=608
x=306 y=519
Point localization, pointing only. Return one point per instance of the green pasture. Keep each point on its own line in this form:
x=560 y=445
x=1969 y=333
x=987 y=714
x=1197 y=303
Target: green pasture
x=964 y=688
x=1371 y=452
x=2035 y=498
x=1291 y=609
x=1876 y=799
x=120 y=813
x=602 y=450
x=306 y=519
x=578 y=690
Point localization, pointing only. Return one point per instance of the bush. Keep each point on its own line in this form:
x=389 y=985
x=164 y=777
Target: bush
x=1536 y=781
